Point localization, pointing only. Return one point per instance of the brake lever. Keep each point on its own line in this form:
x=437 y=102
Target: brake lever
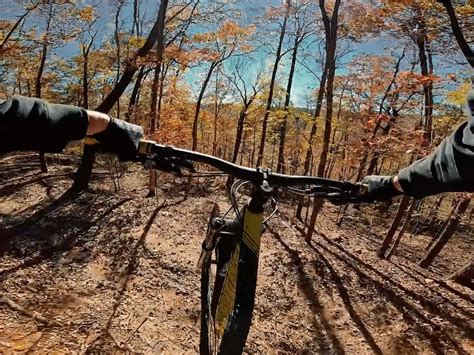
x=168 y=164
x=352 y=192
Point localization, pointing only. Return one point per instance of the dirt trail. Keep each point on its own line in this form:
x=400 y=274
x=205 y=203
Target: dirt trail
x=116 y=271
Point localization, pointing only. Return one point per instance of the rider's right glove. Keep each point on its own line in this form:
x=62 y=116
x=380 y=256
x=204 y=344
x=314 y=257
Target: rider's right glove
x=379 y=188
x=372 y=188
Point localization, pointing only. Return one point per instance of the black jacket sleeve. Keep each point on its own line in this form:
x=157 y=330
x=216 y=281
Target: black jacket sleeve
x=33 y=124
x=449 y=168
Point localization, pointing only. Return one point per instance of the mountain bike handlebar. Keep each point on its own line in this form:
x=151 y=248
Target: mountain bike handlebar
x=158 y=153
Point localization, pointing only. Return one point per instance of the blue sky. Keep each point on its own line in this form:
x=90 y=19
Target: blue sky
x=304 y=82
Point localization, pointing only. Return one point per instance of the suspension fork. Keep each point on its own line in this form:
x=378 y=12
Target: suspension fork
x=241 y=278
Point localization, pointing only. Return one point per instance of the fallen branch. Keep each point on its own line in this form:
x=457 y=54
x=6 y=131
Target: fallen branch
x=137 y=328
x=32 y=314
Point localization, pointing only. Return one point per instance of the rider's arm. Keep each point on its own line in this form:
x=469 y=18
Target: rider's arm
x=34 y=124
x=449 y=168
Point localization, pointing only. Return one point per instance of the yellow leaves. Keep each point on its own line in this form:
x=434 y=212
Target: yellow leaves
x=228 y=32
x=232 y=29
x=458 y=97
x=136 y=42
x=229 y=28
x=362 y=19
x=87 y=13
x=466 y=10
x=227 y=40
x=403 y=2
x=305 y=118
x=203 y=37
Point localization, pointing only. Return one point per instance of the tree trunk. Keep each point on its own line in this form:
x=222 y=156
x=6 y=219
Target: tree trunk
x=268 y=108
x=309 y=151
x=43 y=162
x=156 y=35
x=199 y=102
x=421 y=42
x=393 y=228
x=216 y=115
x=433 y=214
x=314 y=127
x=327 y=125
x=465 y=276
x=83 y=174
x=372 y=164
x=281 y=149
x=429 y=110
x=154 y=112
x=273 y=153
x=85 y=79
x=330 y=27
x=465 y=48
x=403 y=229
x=39 y=76
x=154 y=100
x=120 y=4
x=164 y=72
x=17 y=23
x=317 y=205
x=254 y=146
x=134 y=95
x=136 y=18
x=240 y=129
x=447 y=232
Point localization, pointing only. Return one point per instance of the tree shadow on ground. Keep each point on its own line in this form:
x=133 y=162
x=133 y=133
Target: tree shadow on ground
x=56 y=228
x=14 y=166
x=131 y=261
x=21 y=183
x=401 y=298
x=421 y=279
x=325 y=336
x=339 y=284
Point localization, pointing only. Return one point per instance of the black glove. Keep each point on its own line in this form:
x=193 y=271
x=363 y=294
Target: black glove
x=372 y=188
x=120 y=138
x=378 y=188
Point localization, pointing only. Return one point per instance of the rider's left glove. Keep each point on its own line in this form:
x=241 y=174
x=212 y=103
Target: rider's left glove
x=120 y=138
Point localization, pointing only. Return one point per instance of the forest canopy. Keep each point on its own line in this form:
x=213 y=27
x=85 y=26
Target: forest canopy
x=323 y=87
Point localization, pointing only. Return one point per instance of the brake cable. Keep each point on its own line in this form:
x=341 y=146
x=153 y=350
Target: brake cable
x=205 y=174
x=275 y=210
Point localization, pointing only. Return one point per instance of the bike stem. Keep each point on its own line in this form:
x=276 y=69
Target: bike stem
x=261 y=193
